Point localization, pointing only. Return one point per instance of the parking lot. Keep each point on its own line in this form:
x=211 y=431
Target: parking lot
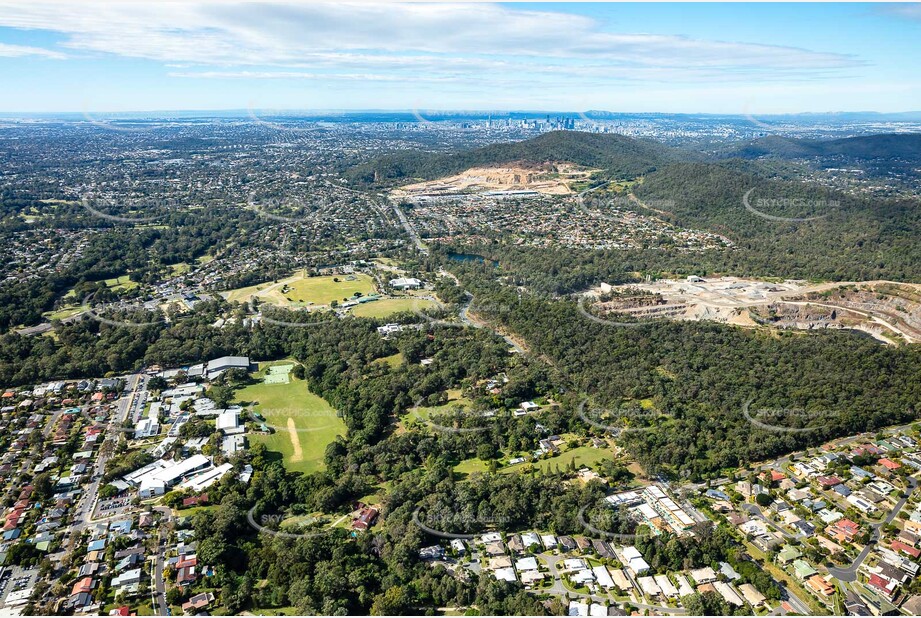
x=113 y=506
x=15 y=580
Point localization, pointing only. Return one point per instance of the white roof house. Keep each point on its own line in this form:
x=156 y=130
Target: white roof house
x=389 y=329
x=726 y=591
x=603 y=577
x=649 y=586
x=684 y=586
x=705 y=575
x=584 y=576
x=668 y=589
x=526 y=564
x=506 y=574
x=574 y=564
x=630 y=552
x=638 y=565
x=530 y=538
x=128 y=577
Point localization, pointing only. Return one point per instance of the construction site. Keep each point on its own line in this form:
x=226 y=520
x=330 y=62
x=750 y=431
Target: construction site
x=513 y=179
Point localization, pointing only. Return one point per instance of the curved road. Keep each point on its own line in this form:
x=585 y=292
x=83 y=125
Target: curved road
x=464 y=315
x=559 y=589
x=849 y=574
x=755 y=511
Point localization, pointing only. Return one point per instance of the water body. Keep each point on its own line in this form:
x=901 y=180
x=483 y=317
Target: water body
x=471 y=257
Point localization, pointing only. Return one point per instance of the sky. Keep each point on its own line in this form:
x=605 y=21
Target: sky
x=65 y=56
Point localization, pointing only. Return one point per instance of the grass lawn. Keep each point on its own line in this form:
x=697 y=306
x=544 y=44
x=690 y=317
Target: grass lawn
x=583 y=456
x=144 y=609
x=303 y=423
x=323 y=290
x=394 y=360
x=119 y=284
x=191 y=511
x=377 y=496
x=302 y=291
x=275 y=611
x=455 y=399
x=116 y=284
x=469 y=466
x=389 y=306
x=65 y=312
x=263 y=367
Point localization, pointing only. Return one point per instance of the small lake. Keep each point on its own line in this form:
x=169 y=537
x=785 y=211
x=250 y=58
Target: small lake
x=470 y=257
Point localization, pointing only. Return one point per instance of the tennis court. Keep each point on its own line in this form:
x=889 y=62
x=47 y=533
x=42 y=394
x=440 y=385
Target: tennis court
x=278 y=374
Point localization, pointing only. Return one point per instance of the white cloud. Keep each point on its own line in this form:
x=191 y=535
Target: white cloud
x=911 y=10
x=449 y=40
x=308 y=76
x=18 y=51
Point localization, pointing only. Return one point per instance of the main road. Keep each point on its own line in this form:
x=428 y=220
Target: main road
x=87 y=503
x=413 y=235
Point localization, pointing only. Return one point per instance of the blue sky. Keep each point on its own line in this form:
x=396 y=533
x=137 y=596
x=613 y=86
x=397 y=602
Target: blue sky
x=717 y=58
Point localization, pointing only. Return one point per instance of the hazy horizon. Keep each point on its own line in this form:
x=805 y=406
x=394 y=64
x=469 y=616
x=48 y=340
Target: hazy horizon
x=447 y=112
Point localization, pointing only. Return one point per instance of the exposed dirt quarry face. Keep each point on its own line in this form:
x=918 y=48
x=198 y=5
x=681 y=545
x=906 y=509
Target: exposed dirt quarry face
x=875 y=304
x=887 y=310
x=547 y=179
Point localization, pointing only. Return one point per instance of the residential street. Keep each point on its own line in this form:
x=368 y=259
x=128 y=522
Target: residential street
x=87 y=503
x=158 y=590
x=849 y=574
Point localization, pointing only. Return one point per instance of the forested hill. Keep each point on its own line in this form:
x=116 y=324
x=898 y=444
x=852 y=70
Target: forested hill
x=620 y=156
x=846 y=237
x=891 y=146
x=699 y=376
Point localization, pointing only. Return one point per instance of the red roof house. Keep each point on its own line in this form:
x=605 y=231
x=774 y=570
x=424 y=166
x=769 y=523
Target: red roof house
x=366 y=518
x=914 y=552
x=83 y=585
